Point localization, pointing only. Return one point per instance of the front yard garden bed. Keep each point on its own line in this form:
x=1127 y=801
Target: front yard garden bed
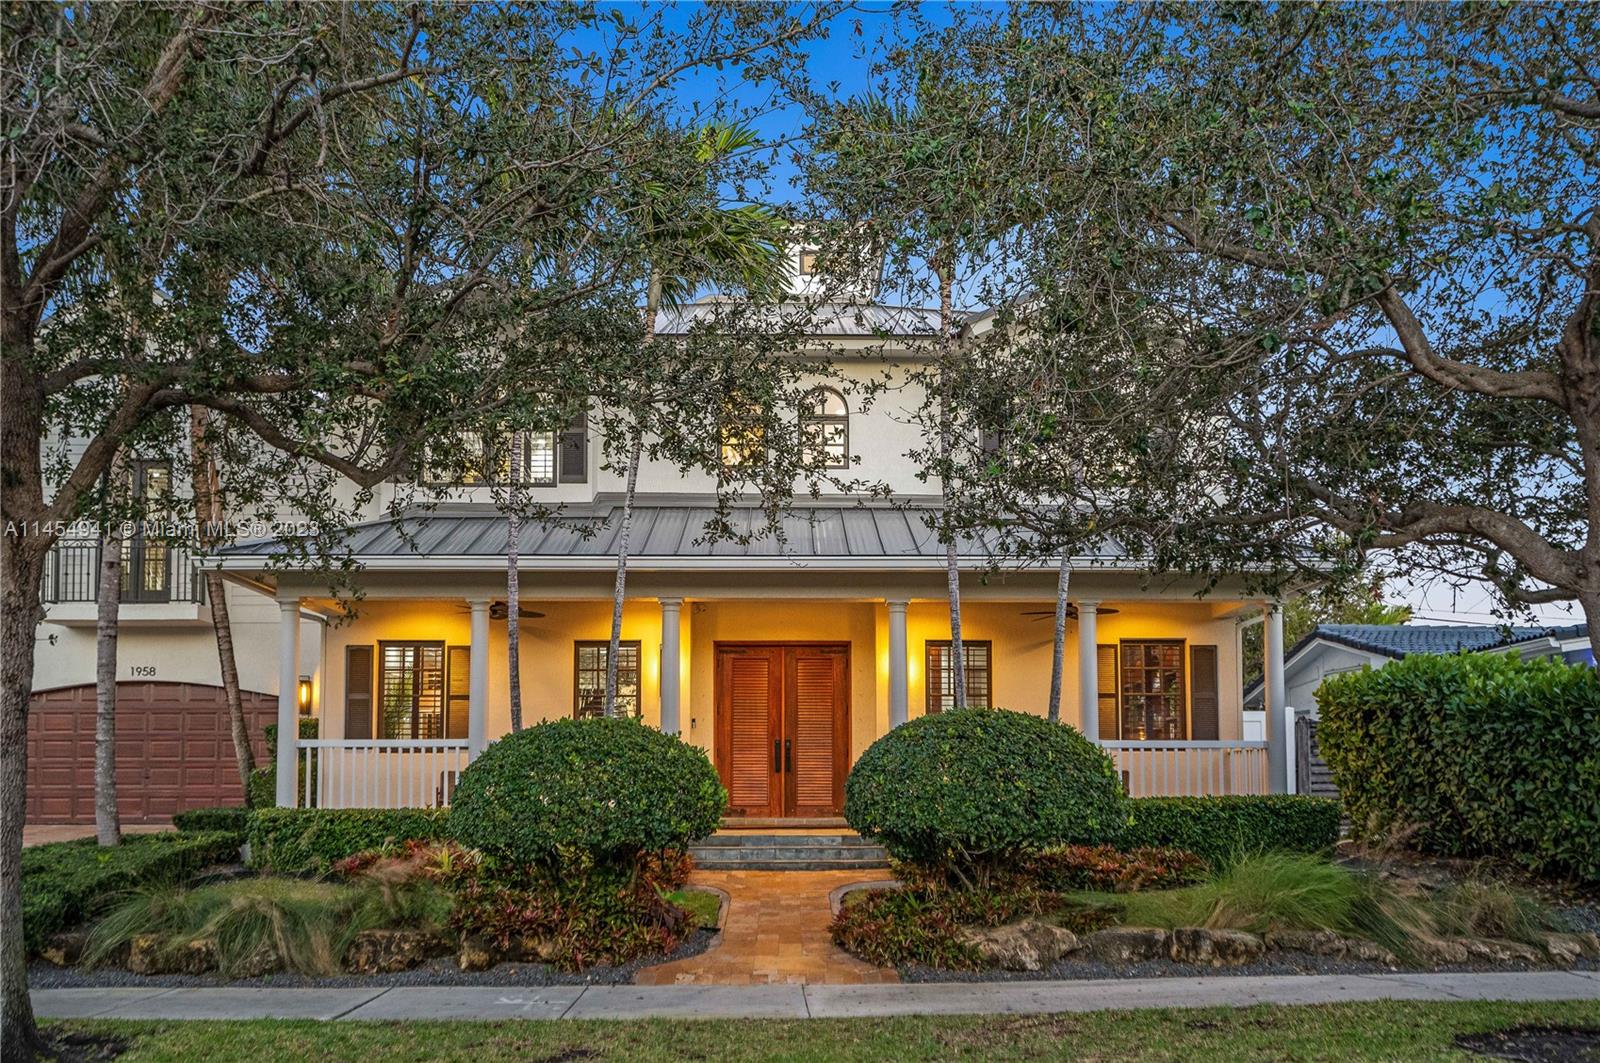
x=1009 y=871
x=540 y=875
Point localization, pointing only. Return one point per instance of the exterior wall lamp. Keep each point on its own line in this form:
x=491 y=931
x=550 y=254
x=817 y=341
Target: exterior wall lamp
x=303 y=695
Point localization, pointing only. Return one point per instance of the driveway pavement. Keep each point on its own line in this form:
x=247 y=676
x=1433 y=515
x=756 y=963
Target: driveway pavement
x=802 y=1001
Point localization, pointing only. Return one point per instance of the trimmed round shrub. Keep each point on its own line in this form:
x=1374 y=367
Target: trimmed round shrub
x=964 y=792
x=602 y=789
x=1471 y=755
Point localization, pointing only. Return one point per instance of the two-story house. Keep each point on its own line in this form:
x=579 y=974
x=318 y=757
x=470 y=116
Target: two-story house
x=782 y=660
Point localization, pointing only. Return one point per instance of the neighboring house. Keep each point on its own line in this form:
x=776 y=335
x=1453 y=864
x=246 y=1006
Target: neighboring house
x=782 y=660
x=1333 y=648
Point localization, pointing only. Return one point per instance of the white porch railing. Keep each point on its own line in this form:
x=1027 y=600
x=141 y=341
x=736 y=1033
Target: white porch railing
x=380 y=772
x=1191 y=769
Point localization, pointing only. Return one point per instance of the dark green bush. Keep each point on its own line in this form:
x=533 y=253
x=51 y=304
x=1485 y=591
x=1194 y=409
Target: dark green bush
x=229 y=818
x=1472 y=755
x=263 y=789
x=970 y=791
x=299 y=840
x=66 y=883
x=1218 y=829
x=610 y=789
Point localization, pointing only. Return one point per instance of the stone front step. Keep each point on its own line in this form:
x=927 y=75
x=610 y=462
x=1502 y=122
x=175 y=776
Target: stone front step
x=734 y=851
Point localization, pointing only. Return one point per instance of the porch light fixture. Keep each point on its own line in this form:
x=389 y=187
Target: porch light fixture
x=304 y=695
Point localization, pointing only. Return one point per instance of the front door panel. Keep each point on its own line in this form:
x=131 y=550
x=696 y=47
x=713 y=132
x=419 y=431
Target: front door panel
x=783 y=728
x=749 y=695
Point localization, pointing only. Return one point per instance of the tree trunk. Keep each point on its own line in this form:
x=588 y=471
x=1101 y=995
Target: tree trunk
x=1058 y=654
x=108 y=600
x=209 y=515
x=514 y=591
x=952 y=564
x=1589 y=601
x=624 y=535
x=21 y=573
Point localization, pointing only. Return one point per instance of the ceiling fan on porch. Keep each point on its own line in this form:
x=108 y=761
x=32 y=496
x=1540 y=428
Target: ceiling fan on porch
x=1072 y=612
x=498 y=611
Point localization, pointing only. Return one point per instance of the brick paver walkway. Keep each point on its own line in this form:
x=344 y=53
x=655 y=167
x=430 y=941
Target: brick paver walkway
x=776 y=930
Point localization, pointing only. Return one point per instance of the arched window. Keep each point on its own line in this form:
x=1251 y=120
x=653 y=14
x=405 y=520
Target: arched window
x=825 y=423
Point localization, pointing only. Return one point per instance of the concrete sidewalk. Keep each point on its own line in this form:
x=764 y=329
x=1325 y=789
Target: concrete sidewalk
x=800 y=1001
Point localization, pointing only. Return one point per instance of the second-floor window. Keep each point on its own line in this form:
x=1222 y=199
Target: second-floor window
x=529 y=459
x=743 y=436
x=825 y=424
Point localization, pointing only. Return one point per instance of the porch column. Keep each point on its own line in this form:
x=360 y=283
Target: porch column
x=288 y=700
x=1278 y=722
x=671 y=671
x=1088 y=671
x=899 y=687
x=478 y=679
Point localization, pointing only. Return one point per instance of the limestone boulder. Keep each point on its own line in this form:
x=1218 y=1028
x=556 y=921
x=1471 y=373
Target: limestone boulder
x=1126 y=944
x=1026 y=946
x=387 y=951
x=1215 y=948
x=66 y=948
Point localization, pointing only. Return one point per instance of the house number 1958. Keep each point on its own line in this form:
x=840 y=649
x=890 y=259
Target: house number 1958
x=145 y=671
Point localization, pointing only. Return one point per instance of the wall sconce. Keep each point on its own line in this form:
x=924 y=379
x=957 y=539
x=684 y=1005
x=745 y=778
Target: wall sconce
x=304 y=695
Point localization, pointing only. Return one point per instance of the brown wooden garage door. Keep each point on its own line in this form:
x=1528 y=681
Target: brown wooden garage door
x=174 y=750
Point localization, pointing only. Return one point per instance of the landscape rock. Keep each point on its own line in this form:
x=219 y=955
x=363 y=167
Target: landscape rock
x=1369 y=952
x=1563 y=949
x=475 y=955
x=1439 y=951
x=1328 y=943
x=152 y=954
x=258 y=964
x=66 y=948
x=387 y=951
x=1217 y=948
x=1126 y=944
x=1499 y=953
x=1315 y=942
x=1026 y=946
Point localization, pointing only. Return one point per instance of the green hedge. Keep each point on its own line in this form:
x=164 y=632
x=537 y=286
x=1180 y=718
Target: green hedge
x=966 y=793
x=262 y=789
x=233 y=818
x=608 y=788
x=66 y=883
x=1220 y=828
x=1472 y=755
x=298 y=840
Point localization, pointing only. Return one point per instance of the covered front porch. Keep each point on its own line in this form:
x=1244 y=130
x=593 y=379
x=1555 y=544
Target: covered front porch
x=782 y=678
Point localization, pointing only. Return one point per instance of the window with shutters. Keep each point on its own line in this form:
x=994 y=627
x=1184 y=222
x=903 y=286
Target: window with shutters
x=411 y=690
x=941 y=681
x=1151 y=684
x=589 y=679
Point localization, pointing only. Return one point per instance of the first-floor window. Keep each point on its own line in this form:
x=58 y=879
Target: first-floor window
x=1151 y=680
x=411 y=691
x=589 y=682
x=941 y=685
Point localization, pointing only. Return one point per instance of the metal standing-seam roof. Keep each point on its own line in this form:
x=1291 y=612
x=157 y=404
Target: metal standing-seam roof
x=659 y=531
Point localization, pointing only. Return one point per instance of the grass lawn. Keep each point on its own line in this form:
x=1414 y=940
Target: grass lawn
x=702 y=905
x=1371 y=1031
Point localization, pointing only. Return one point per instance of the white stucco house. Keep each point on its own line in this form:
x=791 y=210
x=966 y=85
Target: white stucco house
x=783 y=661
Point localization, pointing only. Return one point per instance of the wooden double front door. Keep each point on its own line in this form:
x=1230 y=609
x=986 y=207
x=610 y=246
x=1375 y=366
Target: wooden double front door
x=783 y=727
